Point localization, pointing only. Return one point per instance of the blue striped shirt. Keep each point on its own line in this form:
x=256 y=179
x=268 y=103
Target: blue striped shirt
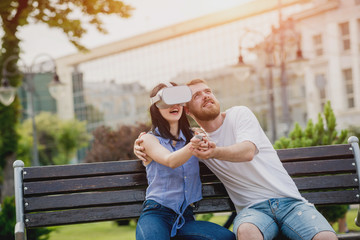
x=174 y=188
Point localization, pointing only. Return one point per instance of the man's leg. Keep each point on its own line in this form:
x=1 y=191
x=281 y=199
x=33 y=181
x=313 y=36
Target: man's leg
x=249 y=231
x=326 y=235
x=255 y=223
x=300 y=220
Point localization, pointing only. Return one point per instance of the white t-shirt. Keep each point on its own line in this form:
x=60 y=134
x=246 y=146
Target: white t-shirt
x=264 y=177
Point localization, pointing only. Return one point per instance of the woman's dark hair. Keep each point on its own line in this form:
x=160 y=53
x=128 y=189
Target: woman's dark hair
x=158 y=121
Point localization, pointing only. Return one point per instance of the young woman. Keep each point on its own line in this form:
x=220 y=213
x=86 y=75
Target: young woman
x=173 y=178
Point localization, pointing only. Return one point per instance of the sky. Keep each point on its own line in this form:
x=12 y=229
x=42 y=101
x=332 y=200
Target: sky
x=148 y=15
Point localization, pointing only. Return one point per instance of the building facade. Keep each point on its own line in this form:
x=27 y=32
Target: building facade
x=115 y=79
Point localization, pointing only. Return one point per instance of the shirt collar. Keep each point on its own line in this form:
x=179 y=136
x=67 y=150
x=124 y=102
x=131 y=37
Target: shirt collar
x=181 y=136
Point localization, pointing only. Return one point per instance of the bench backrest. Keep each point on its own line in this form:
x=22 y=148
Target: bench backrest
x=58 y=195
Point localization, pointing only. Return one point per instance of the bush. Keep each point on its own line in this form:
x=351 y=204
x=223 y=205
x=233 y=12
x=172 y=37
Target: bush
x=8 y=220
x=322 y=133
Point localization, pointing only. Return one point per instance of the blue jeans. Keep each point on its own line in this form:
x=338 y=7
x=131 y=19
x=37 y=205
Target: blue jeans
x=156 y=221
x=292 y=218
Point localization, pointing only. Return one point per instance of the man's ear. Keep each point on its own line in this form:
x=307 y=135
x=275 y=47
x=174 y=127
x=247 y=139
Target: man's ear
x=186 y=109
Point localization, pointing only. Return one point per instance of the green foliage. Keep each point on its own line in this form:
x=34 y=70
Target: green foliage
x=58 y=139
x=333 y=212
x=8 y=134
x=114 y=145
x=58 y=14
x=8 y=220
x=322 y=133
x=354 y=131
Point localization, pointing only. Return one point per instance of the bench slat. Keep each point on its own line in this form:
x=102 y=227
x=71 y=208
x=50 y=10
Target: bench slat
x=326 y=182
x=109 y=213
x=81 y=200
x=83 y=215
x=318 y=167
x=341 y=165
x=332 y=197
x=68 y=201
x=84 y=184
x=83 y=170
x=316 y=152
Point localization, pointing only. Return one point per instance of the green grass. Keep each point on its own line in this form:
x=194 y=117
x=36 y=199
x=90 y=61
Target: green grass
x=94 y=231
x=110 y=231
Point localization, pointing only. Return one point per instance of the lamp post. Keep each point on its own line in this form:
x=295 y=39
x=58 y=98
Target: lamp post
x=7 y=93
x=280 y=33
x=246 y=70
x=271 y=45
x=274 y=45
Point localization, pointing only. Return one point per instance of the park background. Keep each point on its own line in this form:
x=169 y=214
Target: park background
x=283 y=59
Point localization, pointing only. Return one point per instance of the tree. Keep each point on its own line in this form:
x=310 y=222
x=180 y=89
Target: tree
x=314 y=135
x=114 y=145
x=56 y=14
x=58 y=139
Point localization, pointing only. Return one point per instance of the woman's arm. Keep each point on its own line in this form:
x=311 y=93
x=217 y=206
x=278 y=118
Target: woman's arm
x=155 y=151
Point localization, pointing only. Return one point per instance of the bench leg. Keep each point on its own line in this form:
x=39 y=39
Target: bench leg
x=20 y=231
x=18 y=181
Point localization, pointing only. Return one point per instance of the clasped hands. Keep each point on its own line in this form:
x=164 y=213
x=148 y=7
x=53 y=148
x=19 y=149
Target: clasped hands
x=201 y=148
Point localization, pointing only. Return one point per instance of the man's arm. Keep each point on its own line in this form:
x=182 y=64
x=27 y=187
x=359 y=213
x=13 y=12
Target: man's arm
x=139 y=150
x=239 y=152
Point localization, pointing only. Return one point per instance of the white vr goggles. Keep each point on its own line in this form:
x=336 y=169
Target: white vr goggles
x=171 y=95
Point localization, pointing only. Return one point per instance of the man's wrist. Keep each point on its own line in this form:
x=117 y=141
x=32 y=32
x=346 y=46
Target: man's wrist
x=216 y=153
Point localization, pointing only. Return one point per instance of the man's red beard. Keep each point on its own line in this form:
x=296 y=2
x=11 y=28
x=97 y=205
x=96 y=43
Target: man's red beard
x=207 y=114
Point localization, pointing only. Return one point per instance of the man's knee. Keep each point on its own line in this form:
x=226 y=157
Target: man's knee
x=248 y=231
x=326 y=235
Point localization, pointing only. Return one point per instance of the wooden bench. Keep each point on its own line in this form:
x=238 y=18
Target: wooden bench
x=83 y=193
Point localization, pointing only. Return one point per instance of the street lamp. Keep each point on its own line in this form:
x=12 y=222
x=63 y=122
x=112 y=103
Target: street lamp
x=247 y=69
x=274 y=45
x=280 y=33
x=7 y=93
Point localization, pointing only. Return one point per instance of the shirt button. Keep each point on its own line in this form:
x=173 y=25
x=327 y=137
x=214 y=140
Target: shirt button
x=185 y=177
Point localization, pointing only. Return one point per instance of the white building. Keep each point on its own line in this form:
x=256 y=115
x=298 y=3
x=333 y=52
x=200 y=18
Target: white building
x=207 y=47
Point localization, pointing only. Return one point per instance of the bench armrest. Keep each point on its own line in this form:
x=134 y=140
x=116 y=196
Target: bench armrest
x=354 y=142
x=19 y=207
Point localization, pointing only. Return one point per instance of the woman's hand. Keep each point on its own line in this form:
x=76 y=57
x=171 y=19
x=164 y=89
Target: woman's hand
x=200 y=142
x=139 y=150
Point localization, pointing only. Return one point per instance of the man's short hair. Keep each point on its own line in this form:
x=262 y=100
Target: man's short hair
x=196 y=81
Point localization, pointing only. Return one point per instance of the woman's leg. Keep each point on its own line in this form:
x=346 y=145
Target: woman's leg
x=155 y=222
x=201 y=230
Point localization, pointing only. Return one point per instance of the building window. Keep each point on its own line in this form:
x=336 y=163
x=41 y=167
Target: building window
x=349 y=87
x=318 y=46
x=320 y=82
x=345 y=35
x=358 y=32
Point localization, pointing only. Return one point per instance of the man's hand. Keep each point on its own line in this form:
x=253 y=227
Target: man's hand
x=139 y=151
x=203 y=149
x=199 y=142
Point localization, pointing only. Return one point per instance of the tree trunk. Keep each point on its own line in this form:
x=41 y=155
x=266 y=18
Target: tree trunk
x=8 y=183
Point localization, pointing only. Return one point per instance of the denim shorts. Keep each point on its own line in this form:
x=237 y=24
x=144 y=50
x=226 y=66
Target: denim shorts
x=292 y=218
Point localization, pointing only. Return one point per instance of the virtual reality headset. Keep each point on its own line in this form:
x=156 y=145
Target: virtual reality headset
x=171 y=95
